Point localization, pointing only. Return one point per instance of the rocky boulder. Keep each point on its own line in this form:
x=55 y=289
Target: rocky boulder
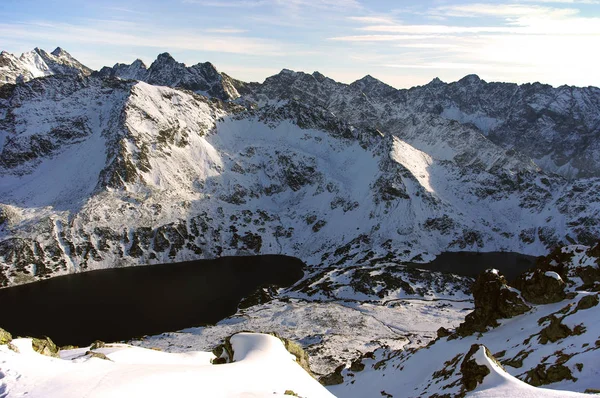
x=334 y=377
x=541 y=287
x=587 y=302
x=5 y=337
x=45 y=346
x=494 y=300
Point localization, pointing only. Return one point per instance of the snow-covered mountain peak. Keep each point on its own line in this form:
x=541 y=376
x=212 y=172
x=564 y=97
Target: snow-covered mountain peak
x=202 y=78
x=319 y=76
x=420 y=182
x=38 y=63
x=286 y=72
x=367 y=80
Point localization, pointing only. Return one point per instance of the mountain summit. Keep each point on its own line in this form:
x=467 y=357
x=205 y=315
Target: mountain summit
x=38 y=63
x=202 y=78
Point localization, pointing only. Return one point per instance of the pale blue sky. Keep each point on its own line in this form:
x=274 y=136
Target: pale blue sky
x=403 y=43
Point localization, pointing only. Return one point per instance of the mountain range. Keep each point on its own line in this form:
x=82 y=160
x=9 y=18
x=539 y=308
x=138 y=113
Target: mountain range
x=135 y=165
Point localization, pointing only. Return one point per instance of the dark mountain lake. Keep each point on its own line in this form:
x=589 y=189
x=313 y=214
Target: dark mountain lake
x=472 y=264
x=123 y=303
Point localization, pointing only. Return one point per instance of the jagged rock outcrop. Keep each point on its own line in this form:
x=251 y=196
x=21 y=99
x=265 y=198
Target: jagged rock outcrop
x=5 y=337
x=165 y=71
x=573 y=265
x=333 y=378
x=494 y=300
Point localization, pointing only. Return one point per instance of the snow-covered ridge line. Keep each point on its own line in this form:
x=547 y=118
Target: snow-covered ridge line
x=262 y=367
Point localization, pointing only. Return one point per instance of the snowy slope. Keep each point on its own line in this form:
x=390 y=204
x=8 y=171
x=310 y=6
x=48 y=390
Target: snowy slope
x=262 y=368
x=551 y=345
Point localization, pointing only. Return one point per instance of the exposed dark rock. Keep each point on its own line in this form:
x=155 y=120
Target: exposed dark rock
x=45 y=347
x=261 y=295
x=443 y=332
x=5 y=337
x=588 y=301
x=357 y=365
x=539 y=288
x=334 y=377
x=517 y=360
x=543 y=374
x=223 y=352
x=554 y=331
x=97 y=344
x=318 y=225
x=473 y=373
x=98 y=355
x=493 y=300
x=296 y=350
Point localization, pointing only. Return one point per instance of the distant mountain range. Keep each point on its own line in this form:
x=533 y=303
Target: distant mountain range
x=134 y=165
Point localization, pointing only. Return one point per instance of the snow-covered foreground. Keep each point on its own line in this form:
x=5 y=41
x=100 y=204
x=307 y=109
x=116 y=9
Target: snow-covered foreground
x=262 y=368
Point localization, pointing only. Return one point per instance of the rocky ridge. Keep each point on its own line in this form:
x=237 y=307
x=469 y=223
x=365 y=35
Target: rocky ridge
x=202 y=78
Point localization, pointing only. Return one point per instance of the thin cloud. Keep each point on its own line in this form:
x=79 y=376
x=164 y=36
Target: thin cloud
x=502 y=11
x=373 y=20
x=385 y=38
x=444 y=65
x=436 y=29
x=115 y=33
x=125 y=10
x=561 y=1
x=229 y=4
x=322 y=4
x=225 y=30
